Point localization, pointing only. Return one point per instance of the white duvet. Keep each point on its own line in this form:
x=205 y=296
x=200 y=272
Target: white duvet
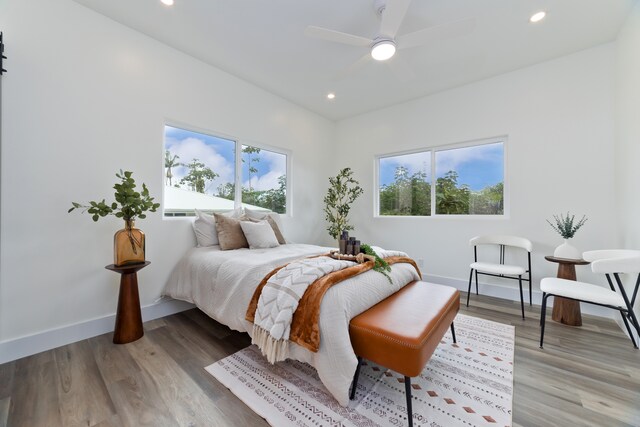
x=221 y=283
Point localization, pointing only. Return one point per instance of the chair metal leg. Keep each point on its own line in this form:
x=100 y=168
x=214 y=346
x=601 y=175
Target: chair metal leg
x=521 y=297
x=477 y=283
x=469 y=290
x=626 y=324
x=543 y=314
x=530 y=292
x=407 y=390
x=453 y=333
x=354 y=385
x=634 y=320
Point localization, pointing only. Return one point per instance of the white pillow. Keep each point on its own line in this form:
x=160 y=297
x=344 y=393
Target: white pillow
x=260 y=215
x=204 y=227
x=259 y=234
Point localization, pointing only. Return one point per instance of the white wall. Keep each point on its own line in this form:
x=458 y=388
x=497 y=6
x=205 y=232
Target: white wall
x=559 y=118
x=84 y=97
x=628 y=132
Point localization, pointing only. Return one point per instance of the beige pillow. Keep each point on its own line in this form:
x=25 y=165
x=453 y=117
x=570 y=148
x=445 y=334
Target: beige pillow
x=259 y=234
x=204 y=226
x=273 y=218
x=230 y=233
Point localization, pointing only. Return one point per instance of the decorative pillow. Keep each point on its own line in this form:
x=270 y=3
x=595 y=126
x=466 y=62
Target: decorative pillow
x=259 y=234
x=274 y=220
x=204 y=226
x=230 y=233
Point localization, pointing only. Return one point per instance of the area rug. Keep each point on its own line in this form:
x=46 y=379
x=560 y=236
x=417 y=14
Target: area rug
x=465 y=384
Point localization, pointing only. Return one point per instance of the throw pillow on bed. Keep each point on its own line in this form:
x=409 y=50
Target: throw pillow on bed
x=260 y=235
x=273 y=219
x=204 y=227
x=230 y=234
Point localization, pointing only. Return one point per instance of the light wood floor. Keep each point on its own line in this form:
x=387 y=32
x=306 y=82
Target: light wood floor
x=586 y=376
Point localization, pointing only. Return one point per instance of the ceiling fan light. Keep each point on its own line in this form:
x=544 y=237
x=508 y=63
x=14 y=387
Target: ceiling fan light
x=167 y=2
x=537 y=17
x=383 y=50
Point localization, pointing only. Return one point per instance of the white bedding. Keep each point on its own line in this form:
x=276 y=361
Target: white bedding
x=221 y=283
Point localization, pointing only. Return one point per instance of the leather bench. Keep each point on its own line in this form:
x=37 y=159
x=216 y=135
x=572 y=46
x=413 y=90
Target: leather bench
x=402 y=331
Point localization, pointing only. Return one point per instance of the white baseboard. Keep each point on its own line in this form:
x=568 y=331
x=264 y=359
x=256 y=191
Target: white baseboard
x=36 y=343
x=513 y=293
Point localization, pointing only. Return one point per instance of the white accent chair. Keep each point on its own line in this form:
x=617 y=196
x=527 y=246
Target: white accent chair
x=610 y=263
x=501 y=269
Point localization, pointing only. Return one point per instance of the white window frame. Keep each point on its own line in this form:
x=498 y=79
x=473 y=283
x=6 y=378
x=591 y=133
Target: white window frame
x=239 y=142
x=433 y=150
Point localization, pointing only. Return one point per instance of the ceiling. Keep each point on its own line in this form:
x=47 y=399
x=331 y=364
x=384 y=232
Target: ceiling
x=263 y=42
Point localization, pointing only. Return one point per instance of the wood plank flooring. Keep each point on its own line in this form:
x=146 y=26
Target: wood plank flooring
x=585 y=376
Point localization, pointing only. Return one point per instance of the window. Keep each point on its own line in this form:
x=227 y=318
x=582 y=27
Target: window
x=200 y=173
x=264 y=175
x=405 y=184
x=461 y=180
x=470 y=180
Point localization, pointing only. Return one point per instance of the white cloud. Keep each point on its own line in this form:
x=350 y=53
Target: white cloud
x=193 y=148
x=277 y=164
x=414 y=162
x=451 y=159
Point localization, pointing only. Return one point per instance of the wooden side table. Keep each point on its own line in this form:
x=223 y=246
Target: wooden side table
x=566 y=310
x=128 y=317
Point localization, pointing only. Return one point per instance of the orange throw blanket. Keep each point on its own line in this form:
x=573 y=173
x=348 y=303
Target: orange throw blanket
x=305 y=330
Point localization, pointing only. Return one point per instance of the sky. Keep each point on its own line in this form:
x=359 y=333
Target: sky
x=478 y=166
x=219 y=154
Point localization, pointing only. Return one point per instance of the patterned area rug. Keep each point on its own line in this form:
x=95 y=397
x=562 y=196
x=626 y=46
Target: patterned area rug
x=464 y=384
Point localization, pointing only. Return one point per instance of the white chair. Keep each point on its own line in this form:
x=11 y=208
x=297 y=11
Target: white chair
x=610 y=263
x=501 y=269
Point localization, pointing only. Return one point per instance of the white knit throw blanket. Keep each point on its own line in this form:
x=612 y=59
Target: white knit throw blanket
x=280 y=297
x=279 y=300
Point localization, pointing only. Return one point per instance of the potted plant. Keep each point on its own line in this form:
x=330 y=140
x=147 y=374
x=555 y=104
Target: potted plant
x=342 y=192
x=566 y=226
x=129 y=204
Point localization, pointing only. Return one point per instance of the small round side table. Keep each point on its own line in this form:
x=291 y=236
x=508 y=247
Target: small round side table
x=128 y=317
x=566 y=310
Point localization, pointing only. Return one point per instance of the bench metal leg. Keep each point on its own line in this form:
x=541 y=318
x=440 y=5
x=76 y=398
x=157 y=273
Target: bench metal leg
x=355 y=379
x=407 y=390
x=626 y=323
x=453 y=333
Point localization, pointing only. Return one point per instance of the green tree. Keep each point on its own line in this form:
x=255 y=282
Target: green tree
x=407 y=195
x=198 y=176
x=170 y=162
x=227 y=191
x=488 y=201
x=451 y=198
x=275 y=199
x=250 y=151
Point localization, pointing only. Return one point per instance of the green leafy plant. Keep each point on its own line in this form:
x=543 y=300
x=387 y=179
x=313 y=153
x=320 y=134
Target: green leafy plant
x=342 y=192
x=379 y=264
x=129 y=204
x=566 y=226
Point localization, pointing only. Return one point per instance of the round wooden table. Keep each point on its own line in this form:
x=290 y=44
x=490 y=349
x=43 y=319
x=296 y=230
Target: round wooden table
x=128 y=316
x=566 y=310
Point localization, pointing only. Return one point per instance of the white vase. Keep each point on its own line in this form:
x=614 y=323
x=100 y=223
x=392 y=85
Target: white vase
x=567 y=251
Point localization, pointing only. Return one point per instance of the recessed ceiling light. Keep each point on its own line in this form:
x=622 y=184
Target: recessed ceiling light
x=167 y=2
x=538 y=16
x=383 y=50
x=331 y=95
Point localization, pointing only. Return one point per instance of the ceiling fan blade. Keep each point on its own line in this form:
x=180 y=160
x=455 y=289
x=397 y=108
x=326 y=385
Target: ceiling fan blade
x=336 y=36
x=351 y=69
x=392 y=16
x=436 y=33
x=401 y=69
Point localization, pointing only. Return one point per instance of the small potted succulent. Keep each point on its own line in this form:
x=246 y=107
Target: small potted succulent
x=566 y=226
x=129 y=204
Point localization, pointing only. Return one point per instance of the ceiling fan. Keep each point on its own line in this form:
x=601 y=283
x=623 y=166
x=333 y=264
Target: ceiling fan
x=384 y=45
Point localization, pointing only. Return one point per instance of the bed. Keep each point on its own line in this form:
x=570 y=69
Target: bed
x=221 y=283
